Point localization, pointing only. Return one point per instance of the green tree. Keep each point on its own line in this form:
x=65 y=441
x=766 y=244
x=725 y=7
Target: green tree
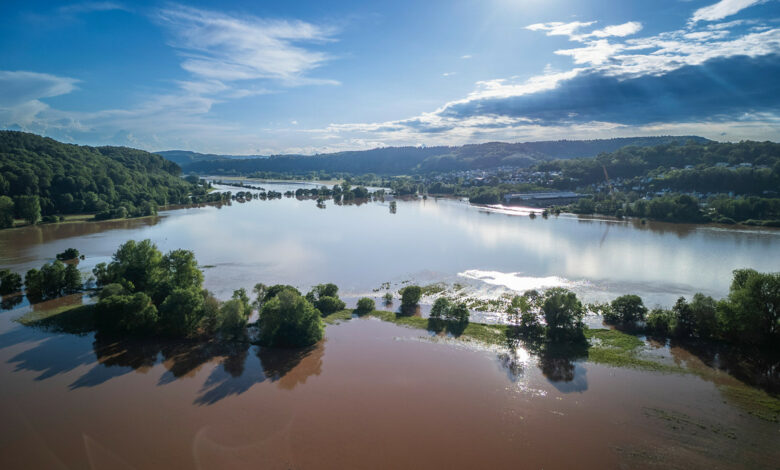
x=33 y=284
x=10 y=282
x=458 y=313
x=125 y=313
x=28 y=208
x=72 y=279
x=6 y=212
x=365 y=305
x=563 y=313
x=289 y=320
x=751 y=312
x=53 y=275
x=181 y=312
x=441 y=308
x=410 y=297
x=626 y=309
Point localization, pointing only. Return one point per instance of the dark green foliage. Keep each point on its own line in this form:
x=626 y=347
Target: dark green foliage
x=6 y=212
x=626 y=309
x=328 y=305
x=289 y=320
x=458 y=313
x=410 y=296
x=53 y=280
x=46 y=177
x=10 y=282
x=72 y=279
x=69 y=254
x=325 y=298
x=265 y=293
x=751 y=312
x=172 y=282
x=388 y=298
x=660 y=322
x=441 y=308
x=33 y=285
x=125 y=313
x=365 y=305
x=28 y=208
x=181 y=312
x=563 y=314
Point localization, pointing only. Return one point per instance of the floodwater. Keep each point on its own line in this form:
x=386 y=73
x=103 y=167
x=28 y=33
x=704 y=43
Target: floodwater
x=372 y=394
x=360 y=247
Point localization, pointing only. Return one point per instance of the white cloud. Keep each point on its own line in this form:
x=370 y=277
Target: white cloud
x=466 y=56
x=619 y=30
x=722 y=9
x=227 y=48
x=595 y=53
x=557 y=28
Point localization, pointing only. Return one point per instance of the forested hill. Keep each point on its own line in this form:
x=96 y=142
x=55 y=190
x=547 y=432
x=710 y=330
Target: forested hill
x=405 y=160
x=75 y=179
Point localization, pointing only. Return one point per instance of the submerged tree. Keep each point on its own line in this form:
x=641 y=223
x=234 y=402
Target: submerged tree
x=289 y=320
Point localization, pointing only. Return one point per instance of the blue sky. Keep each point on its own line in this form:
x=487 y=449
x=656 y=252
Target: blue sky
x=316 y=76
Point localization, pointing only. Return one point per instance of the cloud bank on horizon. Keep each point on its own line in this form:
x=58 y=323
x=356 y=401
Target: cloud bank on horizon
x=245 y=83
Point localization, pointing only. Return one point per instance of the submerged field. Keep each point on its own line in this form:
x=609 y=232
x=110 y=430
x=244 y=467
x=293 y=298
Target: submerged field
x=382 y=390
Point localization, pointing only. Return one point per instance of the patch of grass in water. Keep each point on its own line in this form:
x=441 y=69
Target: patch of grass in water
x=72 y=319
x=754 y=401
x=337 y=317
x=615 y=348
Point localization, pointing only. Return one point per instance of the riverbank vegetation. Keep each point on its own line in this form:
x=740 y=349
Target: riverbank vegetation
x=42 y=179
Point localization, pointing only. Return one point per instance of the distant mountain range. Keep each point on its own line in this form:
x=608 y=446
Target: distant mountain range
x=404 y=160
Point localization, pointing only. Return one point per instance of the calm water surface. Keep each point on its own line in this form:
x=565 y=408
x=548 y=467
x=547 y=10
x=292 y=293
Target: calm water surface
x=372 y=394
x=491 y=250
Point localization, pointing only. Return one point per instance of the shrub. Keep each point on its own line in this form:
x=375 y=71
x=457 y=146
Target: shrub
x=328 y=305
x=70 y=253
x=388 y=298
x=366 y=305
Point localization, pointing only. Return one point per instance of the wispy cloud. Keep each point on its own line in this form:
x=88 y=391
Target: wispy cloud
x=21 y=93
x=228 y=48
x=722 y=9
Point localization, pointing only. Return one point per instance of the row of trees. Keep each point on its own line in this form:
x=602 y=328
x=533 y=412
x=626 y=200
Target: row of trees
x=558 y=308
x=750 y=210
x=749 y=315
x=52 y=280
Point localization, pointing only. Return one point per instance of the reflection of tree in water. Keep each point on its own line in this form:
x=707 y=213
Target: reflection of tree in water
x=10 y=301
x=752 y=365
x=290 y=367
x=555 y=360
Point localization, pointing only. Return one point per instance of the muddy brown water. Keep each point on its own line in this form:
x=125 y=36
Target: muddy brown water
x=372 y=394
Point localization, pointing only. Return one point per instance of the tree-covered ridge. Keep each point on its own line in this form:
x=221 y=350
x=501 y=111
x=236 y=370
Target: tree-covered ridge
x=746 y=167
x=406 y=160
x=69 y=178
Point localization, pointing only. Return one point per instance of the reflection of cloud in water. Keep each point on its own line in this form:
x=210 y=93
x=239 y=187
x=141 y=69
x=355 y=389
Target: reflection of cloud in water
x=516 y=281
